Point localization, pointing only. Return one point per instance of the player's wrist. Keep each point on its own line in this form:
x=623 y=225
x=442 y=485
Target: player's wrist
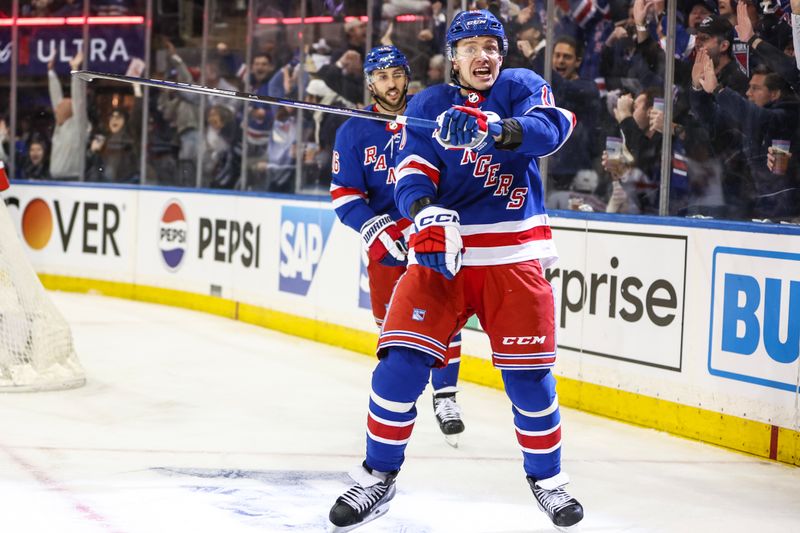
x=418 y=205
x=510 y=136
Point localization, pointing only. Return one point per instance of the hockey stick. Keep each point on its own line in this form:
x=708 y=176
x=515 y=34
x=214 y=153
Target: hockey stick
x=88 y=75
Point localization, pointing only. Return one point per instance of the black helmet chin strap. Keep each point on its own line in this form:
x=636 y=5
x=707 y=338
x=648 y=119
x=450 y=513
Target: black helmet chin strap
x=456 y=80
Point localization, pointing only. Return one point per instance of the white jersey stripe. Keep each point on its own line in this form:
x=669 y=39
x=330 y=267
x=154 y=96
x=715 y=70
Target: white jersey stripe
x=339 y=202
x=500 y=255
x=538 y=433
x=389 y=405
x=510 y=226
x=544 y=250
x=391 y=422
x=529 y=355
x=386 y=441
x=539 y=414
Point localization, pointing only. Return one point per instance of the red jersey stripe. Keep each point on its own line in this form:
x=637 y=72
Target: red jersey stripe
x=346 y=191
x=539 y=442
x=429 y=171
x=487 y=240
x=517 y=361
x=385 y=431
x=394 y=337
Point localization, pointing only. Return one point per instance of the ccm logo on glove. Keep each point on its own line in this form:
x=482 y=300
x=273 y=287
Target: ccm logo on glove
x=437 y=244
x=438 y=218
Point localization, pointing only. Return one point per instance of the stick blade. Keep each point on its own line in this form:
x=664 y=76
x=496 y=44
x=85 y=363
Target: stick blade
x=84 y=75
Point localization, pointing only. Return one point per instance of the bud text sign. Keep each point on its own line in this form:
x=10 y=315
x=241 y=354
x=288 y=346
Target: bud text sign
x=755 y=317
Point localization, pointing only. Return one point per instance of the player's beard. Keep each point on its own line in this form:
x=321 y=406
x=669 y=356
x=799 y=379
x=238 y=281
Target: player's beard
x=387 y=106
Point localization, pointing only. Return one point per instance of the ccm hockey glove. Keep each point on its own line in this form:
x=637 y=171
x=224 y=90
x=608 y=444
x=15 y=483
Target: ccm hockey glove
x=384 y=241
x=466 y=127
x=437 y=242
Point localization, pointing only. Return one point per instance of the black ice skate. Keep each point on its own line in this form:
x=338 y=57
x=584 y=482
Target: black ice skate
x=562 y=509
x=365 y=501
x=448 y=414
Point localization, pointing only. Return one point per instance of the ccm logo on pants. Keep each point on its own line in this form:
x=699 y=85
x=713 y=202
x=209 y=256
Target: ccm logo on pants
x=524 y=340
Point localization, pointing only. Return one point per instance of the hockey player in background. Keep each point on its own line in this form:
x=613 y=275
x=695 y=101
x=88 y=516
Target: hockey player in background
x=362 y=189
x=480 y=243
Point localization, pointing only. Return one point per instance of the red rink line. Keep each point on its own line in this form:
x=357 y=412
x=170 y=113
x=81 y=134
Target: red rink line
x=53 y=485
x=515 y=458
x=773 y=442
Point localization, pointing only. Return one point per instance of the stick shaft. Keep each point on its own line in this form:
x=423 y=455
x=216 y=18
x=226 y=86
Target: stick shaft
x=88 y=75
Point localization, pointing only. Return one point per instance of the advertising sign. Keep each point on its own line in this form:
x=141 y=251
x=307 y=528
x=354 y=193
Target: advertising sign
x=111 y=48
x=621 y=295
x=303 y=234
x=754 y=331
x=76 y=226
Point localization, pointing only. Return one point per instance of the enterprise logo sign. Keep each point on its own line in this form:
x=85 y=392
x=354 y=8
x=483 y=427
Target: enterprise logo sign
x=621 y=295
x=755 y=317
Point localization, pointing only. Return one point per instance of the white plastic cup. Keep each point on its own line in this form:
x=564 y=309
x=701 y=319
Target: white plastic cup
x=614 y=148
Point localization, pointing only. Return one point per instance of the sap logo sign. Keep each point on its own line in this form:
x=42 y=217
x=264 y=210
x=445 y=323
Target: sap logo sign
x=755 y=317
x=304 y=232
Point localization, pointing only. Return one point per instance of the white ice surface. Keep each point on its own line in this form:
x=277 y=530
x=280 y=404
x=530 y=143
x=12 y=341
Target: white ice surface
x=195 y=423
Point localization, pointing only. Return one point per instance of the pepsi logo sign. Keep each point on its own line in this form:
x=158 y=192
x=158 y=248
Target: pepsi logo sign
x=172 y=235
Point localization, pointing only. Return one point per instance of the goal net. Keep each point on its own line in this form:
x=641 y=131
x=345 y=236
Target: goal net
x=36 y=349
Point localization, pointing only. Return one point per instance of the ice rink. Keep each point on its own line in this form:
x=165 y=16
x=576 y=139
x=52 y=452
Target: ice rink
x=195 y=423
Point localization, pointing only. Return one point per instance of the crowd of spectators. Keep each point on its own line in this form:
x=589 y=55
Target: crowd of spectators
x=733 y=134
x=734 y=105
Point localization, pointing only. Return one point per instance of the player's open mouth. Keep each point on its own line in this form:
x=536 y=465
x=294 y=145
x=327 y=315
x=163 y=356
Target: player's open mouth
x=482 y=72
x=393 y=94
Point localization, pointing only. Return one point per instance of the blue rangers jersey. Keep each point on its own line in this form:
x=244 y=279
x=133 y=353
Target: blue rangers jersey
x=498 y=193
x=363 y=174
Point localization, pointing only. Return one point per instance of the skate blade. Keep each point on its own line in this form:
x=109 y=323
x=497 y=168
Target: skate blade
x=568 y=529
x=377 y=513
x=452 y=440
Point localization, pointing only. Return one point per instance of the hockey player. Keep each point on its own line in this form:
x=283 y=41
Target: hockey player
x=481 y=241
x=362 y=189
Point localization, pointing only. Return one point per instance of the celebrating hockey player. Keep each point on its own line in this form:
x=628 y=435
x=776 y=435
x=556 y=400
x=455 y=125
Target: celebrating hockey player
x=362 y=189
x=480 y=242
